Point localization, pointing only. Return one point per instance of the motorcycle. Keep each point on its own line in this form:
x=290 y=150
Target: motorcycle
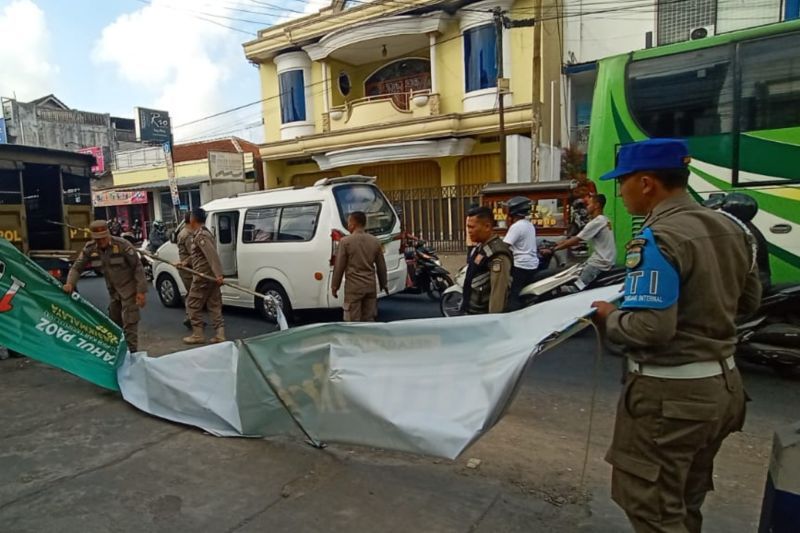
x=425 y=271
x=772 y=336
x=158 y=236
x=133 y=234
x=547 y=284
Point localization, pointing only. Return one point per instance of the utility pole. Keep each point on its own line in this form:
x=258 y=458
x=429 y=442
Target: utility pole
x=536 y=86
x=501 y=22
x=501 y=82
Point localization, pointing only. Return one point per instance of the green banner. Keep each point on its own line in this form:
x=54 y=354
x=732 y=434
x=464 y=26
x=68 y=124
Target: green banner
x=39 y=320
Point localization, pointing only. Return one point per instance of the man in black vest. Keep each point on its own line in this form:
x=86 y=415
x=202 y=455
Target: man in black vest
x=488 y=266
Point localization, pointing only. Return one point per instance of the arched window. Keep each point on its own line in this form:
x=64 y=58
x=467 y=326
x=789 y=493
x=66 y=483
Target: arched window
x=398 y=79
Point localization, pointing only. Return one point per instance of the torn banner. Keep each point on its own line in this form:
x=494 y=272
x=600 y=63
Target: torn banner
x=424 y=386
x=39 y=320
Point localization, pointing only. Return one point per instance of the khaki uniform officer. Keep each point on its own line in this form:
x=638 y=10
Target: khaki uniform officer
x=691 y=271
x=184 y=242
x=359 y=259
x=489 y=265
x=204 y=293
x=124 y=275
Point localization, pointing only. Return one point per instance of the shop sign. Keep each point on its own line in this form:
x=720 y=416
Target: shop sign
x=111 y=198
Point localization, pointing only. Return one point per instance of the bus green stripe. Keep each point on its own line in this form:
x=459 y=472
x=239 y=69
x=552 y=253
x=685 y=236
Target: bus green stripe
x=780 y=207
x=624 y=136
x=784 y=255
x=783 y=135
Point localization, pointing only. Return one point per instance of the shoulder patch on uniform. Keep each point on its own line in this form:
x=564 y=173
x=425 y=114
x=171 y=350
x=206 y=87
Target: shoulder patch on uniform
x=497 y=266
x=652 y=281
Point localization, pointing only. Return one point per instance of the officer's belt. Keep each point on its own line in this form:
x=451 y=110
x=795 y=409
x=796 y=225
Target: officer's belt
x=699 y=370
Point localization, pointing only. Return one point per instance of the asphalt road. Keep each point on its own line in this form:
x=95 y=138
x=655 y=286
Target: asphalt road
x=75 y=458
x=161 y=329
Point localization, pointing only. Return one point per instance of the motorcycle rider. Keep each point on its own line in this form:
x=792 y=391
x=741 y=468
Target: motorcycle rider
x=521 y=237
x=598 y=233
x=158 y=236
x=489 y=265
x=115 y=227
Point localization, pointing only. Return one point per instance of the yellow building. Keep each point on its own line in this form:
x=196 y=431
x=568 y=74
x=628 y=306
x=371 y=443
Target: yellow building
x=406 y=91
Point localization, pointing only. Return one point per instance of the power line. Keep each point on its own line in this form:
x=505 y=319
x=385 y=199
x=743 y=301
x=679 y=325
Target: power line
x=201 y=16
x=632 y=5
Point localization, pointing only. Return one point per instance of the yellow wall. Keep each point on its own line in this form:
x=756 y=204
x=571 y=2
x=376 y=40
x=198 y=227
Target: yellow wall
x=147 y=175
x=271 y=106
x=521 y=40
x=450 y=69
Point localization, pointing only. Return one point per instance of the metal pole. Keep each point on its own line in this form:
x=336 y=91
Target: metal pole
x=498 y=26
x=552 y=126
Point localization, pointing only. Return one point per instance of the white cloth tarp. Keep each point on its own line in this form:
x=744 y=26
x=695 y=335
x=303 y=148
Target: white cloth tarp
x=425 y=386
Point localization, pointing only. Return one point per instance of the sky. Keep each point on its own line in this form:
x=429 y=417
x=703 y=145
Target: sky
x=109 y=56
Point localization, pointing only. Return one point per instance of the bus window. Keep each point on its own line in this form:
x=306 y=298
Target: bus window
x=769 y=110
x=683 y=95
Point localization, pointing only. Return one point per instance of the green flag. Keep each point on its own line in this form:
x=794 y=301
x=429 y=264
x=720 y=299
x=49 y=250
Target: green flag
x=39 y=320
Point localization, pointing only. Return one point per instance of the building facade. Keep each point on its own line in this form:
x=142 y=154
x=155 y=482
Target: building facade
x=141 y=191
x=49 y=123
x=407 y=92
x=601 y=29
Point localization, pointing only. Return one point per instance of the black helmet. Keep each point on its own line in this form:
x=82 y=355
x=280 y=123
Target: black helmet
x=715 y=201
x=519 y=206
x=741 y=206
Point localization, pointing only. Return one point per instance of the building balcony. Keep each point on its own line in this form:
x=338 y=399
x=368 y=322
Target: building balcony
x=381 y=109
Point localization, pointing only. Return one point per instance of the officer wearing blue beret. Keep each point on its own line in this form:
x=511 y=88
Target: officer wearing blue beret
x=691 y=271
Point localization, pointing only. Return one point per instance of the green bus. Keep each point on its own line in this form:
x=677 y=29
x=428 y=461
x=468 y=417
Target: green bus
x=735 y=98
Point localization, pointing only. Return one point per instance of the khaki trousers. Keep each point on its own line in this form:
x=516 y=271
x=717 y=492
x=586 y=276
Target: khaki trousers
x=360 y=308
x=205 y=294
x=187 y=282
x=125 y=314
x=666 y=435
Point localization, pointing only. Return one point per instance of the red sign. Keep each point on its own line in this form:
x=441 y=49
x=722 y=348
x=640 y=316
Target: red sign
x=97 y=152
x=109 y=198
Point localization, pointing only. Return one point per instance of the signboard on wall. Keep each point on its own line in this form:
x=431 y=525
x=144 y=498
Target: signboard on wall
x=3 y=135
x=97 y=152
x=111 y=198
x=173 y=182
x=225 y=166
x=152 y=125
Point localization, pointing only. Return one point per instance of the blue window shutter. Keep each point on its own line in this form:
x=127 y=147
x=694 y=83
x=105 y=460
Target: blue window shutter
x=292 y=96
x=480 y=58
x=792 y=9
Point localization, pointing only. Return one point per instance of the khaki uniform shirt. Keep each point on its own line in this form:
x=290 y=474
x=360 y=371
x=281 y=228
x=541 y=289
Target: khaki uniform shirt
x=184 y=242
x=359 y=259
x=120 y=263
x=718 y=281
x=205 y=258
x=499 y=256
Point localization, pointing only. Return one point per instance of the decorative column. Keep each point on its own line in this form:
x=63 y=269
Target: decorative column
x=294 y=90
x=432 y=45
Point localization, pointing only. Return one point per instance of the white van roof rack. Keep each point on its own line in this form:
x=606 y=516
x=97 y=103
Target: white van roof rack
x=345 y=179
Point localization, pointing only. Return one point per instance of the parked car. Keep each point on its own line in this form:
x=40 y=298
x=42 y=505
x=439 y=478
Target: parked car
x=283 y=243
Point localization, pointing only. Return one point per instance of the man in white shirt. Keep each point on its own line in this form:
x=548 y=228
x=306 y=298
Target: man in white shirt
x=598 y=233
x=521 y=237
